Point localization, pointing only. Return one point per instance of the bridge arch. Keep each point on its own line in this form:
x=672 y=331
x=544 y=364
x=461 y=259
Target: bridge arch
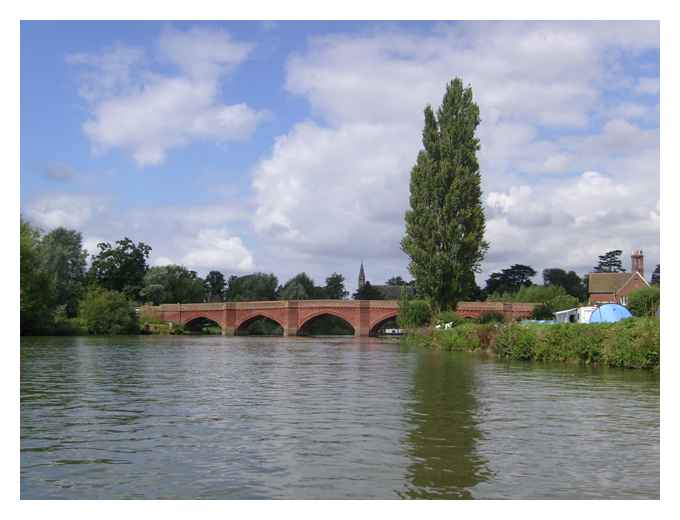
x=377 y=324
x=242 y=327
x=308 y=320
x=200 y=323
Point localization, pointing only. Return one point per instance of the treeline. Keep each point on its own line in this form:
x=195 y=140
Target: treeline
x=60 y=294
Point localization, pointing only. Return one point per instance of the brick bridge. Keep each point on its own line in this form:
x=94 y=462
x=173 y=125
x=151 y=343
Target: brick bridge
x=365 y=316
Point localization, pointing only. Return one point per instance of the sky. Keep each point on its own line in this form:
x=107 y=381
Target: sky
x=287 y=146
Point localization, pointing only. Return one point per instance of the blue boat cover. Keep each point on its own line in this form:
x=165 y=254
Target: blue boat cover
x=609 y=313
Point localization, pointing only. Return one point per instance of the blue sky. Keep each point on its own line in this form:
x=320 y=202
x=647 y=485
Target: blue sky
x=287 y=146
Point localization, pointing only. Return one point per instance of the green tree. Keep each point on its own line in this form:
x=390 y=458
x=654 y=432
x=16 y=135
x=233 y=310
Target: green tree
x=179 y=285
x=610 y=262
x=644 y=302
x=215 y=284
x=301 y=287
x=251 y=287
x=396 y=280
x=569 y=281
x=509 y=280
x=121 y=268
x=108 y=312
x=368 y=292
x=66 y=261
x=37 y=297
x=335 y=287
x=445 y=223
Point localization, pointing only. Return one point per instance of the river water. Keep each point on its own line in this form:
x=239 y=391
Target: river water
x=253 y=418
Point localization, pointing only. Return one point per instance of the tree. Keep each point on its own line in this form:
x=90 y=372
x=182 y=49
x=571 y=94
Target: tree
x=610 y=262
x=215 y=284
x=66 y=261
x=368 y=292
x=656 y=275
x=173 y=284
x=251 y=287
x=335 y=287
x=36 y=287
x=510 y=280
x=301 y=287
x=645 y=301
x=445 y=223
x=396 y=280
x=121 y=268
x=569 y=281
x=108 y=312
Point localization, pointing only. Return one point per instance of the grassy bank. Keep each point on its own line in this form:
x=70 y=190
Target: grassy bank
x=631 y=343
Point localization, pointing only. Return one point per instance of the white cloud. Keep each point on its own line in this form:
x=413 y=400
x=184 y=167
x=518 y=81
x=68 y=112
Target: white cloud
x=63 y=209
x=215 y=249
x=649 y=85
x=147 y=114
x=338 y=185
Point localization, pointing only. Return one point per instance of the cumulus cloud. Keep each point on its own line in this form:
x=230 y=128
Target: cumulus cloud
x=146 y=113
x=339 y=183
x=64 y=209
x=216 y=249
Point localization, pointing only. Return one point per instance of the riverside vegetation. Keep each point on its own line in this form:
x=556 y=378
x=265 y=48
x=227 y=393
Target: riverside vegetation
x=630 y=343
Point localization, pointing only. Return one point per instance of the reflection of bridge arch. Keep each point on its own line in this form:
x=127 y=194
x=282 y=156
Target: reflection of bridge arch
x=375 y=326
x=325 y=312
x=246 y=322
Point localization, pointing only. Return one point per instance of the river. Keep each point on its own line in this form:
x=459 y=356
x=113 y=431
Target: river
x=211 y=417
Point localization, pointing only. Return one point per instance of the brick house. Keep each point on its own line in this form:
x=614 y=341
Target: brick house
x=615 y=287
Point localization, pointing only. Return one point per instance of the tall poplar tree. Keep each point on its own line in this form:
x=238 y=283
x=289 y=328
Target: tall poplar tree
x=445 y=225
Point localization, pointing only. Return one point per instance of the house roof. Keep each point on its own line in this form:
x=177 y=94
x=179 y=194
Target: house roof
x=607 y=282
x=393 y=292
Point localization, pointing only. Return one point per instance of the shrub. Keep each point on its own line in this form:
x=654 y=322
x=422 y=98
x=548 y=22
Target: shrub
x=414 y=313
x=644 y=302
x=516 y=342
x=444 y=317
x=491 y=317
x=542 y=312
x=108 y=312
x=633 y=343
x=463 y=337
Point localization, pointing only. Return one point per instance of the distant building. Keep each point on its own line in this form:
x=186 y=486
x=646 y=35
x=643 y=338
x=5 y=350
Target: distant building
x=615 y=287
x=389 y=292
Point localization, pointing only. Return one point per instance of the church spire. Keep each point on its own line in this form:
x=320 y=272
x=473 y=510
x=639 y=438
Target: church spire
x=362 y=276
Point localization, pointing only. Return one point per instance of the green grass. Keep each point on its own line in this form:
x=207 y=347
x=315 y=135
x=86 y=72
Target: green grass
x=631 y=343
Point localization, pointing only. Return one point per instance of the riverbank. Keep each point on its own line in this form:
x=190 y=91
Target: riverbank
x=631 y=343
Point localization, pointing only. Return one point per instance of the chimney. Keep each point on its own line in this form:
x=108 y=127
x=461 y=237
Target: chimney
x=637 y=262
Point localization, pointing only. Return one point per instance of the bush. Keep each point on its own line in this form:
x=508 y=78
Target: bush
x=108 y=312
x=644 y=302
x=414 y=313
x=633 y=343
x=65 y=326
x=491 y=317
x=444 y=317
x=516 y=342
x=542 y=312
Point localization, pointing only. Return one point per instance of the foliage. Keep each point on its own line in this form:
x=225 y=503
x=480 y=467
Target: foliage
x=251 y=287
x=656 y=275
x=610 y=262
x=65 y=261
x=645 y=301
x=172 y=284
x=37 y=294
x=510 y=280
x=121 y=268
x=64 y=325
x=445 y=223
x=335 y=287
x=214 y=285
x=108 y=312
x=398 y=280
x=368 y=292
x=542 y=312
x=569 y=281
x=631 y=343
x=491 y=317
x=301 y=287
x=414 y=313
x=444 y=317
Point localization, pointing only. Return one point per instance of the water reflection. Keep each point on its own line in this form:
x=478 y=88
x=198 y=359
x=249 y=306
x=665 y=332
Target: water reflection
x=444 y=430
